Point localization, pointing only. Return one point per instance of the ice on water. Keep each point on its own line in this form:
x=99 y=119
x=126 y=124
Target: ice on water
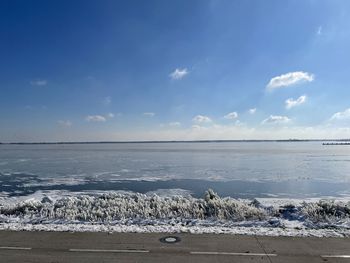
x=64 y=187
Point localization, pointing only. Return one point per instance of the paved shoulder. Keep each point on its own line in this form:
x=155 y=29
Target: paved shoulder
x=154 y=247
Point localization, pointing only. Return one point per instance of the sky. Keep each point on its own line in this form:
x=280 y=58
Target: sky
x=174 y=70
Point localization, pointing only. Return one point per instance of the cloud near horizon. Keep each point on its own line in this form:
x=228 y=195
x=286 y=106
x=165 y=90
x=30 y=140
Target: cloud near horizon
x=226 y=132
x=201 y=119
x=175 y=124
x=289 y=79
x=291 y=103
x=252 y=111
x=178 y=74
x=231 y=116
x=276 y=119
x=342 y=115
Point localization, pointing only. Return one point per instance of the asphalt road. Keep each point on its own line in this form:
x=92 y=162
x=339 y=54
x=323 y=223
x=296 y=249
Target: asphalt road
x=57 y=247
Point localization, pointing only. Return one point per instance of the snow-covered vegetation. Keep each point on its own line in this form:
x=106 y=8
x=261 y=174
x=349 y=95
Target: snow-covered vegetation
x=113 y=209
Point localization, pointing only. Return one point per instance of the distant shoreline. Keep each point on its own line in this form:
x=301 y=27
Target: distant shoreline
x=175 y=141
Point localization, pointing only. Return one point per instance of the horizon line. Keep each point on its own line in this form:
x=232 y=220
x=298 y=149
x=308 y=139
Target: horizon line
x=175 y=141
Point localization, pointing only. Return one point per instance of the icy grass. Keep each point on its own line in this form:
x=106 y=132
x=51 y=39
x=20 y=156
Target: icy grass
x=132 y=212
x=113 y=207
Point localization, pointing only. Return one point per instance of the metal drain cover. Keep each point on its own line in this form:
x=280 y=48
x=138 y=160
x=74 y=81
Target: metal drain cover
x=170 y=239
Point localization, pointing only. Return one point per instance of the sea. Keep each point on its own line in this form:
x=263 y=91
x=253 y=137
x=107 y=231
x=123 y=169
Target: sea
x=256 y=187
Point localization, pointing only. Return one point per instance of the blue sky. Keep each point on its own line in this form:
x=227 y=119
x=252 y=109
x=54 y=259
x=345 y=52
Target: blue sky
x=174 y=70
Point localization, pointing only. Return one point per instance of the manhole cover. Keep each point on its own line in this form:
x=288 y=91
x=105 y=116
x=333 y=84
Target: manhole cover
x=170 y=239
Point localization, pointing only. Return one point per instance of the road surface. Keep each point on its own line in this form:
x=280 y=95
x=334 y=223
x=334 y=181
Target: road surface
x=58 y=247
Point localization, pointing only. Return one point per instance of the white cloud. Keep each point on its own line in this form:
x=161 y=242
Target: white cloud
x=319 y=31
x=95 y=118
x=110 y=115
x=342 y=115
x=38 y=82
x=148 y=114
x=178 y=73
x=201 y=119
x=239 y=123
x=231 y=116
x=196 y=127
x=252 y=111
x=100 y=118
x=289 y=79
x=107 y=100
x=175 y=124
x=275 y=119
x=290 y=103
x=64 y=123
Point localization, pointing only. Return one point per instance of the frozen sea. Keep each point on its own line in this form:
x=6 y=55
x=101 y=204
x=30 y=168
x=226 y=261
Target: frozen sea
x=302 y=188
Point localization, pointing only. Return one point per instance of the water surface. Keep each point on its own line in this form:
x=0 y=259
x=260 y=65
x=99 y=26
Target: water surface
x=237 y=169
